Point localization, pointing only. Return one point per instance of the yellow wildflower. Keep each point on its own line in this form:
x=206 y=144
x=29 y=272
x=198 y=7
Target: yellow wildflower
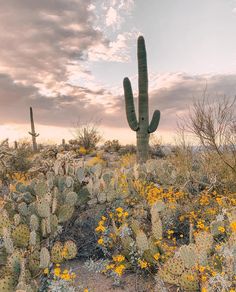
x=66 y=277
x=201 y=269
x=156 y=256
x=204 y=278
x=219 y=201
x=119 y=210
x=119 y=269
x=190 y=277
x=110 y=267
x=46 y=271
x=118 y=258
x=143 y=264
x=170 y=231
x=100 y=228
x=221 y=229
x=233 y=226
x=126 y=214
x=200 y=225
x=57 y=272
x=101 y=241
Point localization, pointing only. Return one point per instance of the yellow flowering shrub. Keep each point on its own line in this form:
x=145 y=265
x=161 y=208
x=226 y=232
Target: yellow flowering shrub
x=95 y=160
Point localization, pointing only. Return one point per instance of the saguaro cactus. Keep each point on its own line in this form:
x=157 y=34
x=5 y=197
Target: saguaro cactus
x=141 y=126
x=15 y=145
x=33 y=133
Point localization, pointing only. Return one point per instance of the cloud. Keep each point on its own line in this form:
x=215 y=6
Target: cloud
x=61 y=110
x=172 y=93
x=113 y=13
x=179 y=91
x=116 y=51
x=112 y=17
x=45 y=50
x=40 y=39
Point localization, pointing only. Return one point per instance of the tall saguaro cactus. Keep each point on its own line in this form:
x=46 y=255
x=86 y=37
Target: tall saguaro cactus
x=33 y=133
x=140 y=125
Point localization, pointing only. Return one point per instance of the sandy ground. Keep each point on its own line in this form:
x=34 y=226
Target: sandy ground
x=100 y=283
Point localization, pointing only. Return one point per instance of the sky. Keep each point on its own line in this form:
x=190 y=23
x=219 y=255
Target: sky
x=67 y=59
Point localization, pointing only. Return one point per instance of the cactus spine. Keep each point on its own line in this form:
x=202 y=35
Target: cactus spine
x=33 y=133
x=141 y=126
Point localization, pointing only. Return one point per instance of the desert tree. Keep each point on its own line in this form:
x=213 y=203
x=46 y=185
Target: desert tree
x=214 y=124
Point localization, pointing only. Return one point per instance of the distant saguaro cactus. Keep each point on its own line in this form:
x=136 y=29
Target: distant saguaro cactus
x=33 y=133
x=141 y=126
x=15 y=145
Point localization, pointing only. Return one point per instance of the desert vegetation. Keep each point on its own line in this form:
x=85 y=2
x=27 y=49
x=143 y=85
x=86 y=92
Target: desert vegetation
x=148 y=218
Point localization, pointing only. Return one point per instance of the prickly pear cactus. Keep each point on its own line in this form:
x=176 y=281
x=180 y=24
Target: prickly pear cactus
x=57 y=253
x=204 y=241
x=189 y=281
x=44 y=258
x=4 y=222
x=142 y=242
x=65 y=213
x=175 y=266
x=188 y=254
x=21 y=235
x=7 y=284
x=156 y=220
x=37 y=211
x=70 y=250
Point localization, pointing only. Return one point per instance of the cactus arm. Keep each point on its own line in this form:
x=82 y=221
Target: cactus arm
x=129 y=104
x=154 y=122
x=32 y=134
x=142 y=84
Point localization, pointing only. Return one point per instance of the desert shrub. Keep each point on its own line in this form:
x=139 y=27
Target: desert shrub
x=20 y=161
x=127 y=160
x=112 y=146
x=127 y=149
x=87 y=136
